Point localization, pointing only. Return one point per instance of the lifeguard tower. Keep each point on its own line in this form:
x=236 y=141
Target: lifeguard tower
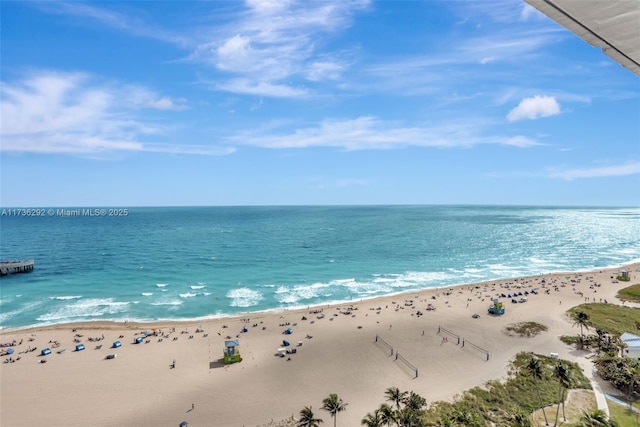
x=496 y=308
x=232 y=352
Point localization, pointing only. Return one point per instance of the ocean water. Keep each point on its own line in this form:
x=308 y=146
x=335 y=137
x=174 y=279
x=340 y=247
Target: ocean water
x=205 y=262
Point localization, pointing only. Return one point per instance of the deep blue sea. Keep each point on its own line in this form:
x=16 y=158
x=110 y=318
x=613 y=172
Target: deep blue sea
x=204 y=262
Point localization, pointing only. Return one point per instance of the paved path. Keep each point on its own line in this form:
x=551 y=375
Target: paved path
x=589 y=372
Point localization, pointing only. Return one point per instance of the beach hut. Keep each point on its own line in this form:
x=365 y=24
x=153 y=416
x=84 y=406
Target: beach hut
x=231 y=352
x=45 y=351
x=79 y=347
x=632 y=345
x=116 y=344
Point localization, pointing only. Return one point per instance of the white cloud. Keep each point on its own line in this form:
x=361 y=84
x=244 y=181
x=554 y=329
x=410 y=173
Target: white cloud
x=268 y=6
x=605 y=171
x=52 y=112
x=370 y=133
x=110 y=18
x=166 y=103
x=534 y=108
x=529 y=12
x=260 y=88
x=521 y=141
x=277 y=41
x=140 y=97
x=324 y=70
x=235 y=54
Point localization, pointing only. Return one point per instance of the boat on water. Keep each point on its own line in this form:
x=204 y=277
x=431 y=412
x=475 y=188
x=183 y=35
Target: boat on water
x=14 y=267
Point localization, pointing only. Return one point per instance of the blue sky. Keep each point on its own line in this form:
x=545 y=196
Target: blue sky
x=264 y=102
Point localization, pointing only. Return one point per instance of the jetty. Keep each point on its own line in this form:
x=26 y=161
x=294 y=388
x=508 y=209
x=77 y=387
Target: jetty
x=14 y=267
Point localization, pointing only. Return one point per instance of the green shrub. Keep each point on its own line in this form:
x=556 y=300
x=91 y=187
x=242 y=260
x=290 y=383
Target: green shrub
x=630 y=293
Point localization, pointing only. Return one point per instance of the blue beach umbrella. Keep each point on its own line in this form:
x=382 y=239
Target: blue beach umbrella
x=10 y=351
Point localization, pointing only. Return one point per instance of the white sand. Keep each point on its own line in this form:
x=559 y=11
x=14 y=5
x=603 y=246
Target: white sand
x=139 y=388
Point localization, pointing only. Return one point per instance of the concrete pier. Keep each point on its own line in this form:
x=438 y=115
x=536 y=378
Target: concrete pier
x=13 y=267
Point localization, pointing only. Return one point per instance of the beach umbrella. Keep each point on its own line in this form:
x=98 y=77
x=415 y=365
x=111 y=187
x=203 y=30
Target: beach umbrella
x=184 y=424
x=9 y=351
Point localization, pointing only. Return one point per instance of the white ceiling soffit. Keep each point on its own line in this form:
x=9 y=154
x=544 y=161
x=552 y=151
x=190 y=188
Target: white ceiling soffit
x=613 y=25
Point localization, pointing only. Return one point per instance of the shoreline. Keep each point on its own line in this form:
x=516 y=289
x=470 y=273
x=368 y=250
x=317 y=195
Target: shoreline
x=338 y=354
x=280 y=310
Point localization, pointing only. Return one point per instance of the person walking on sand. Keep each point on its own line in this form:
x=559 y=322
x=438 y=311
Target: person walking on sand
x=193 y=406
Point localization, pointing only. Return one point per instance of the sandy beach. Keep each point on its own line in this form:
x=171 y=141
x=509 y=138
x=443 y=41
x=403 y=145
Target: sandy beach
x=336 y=352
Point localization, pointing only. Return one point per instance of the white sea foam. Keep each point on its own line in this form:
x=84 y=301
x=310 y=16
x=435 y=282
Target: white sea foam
x=188 y=295
x=343 y=281
x=5 y=316
x=299 y=293
x=288 y=299
x=161 y=285
x=194 y=287
x=370 y=288
x=66 y=297
x=504 y=271
x=628 y=251
x=147 y=294
x=244 y=297
x=172 y=302
x=85 y=308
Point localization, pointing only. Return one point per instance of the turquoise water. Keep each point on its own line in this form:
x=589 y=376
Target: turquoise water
x=202 y=262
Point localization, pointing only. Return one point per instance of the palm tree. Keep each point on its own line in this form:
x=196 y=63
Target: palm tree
x=521 y=420
x=395 y=395
x=535 y=369
x=333 y=404
x=581 y=319
x=307 y=418
x=405 y=417
x=387 y=414
x=463 y=417
x=562 y=374
x=414 y=401
x=595 y=418
x=373 y=420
